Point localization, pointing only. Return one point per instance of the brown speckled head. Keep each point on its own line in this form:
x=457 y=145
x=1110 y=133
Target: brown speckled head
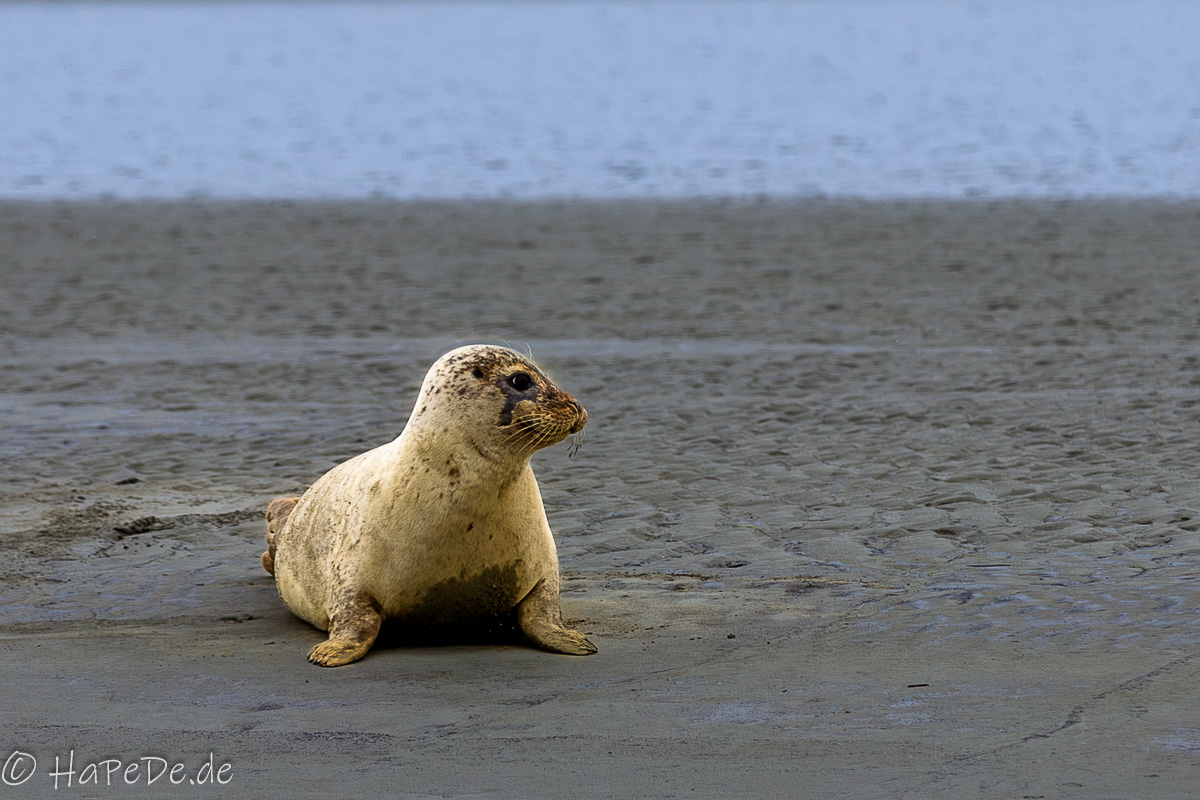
x=524 y=410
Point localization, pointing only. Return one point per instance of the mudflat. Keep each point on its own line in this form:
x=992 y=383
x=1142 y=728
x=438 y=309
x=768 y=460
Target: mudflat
x=877 y=500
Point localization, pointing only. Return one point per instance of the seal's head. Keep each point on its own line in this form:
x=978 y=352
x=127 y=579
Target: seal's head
x=514 y=406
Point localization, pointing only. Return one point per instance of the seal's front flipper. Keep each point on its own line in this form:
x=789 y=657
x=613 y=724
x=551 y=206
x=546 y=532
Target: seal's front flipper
x=352 y=631
x=540 y=618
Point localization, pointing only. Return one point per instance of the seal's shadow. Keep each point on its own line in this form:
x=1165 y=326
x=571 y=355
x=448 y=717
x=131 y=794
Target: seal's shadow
x=500 y=630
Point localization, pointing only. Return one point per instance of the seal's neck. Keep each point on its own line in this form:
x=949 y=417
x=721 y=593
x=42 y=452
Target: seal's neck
x=463 y=460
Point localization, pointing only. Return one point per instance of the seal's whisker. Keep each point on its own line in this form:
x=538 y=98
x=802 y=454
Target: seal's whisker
x=519 y=432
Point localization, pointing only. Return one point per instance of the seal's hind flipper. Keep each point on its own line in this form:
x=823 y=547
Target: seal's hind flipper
x=277 y=513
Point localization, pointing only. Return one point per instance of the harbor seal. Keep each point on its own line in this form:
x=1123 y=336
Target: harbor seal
x=442 y=525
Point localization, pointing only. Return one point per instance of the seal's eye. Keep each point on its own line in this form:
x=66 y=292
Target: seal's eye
x=477 y=372
x=521 y=381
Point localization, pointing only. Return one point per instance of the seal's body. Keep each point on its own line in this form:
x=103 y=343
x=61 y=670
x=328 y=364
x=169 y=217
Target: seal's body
x=444 y=524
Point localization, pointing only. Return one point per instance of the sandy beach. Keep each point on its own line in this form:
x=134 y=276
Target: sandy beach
x=877 y=500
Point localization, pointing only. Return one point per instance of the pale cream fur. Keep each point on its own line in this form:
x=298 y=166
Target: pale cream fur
x=442 y=524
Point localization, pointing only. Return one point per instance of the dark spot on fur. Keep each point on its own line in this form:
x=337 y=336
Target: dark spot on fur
x=469 y=599
x=511 y=398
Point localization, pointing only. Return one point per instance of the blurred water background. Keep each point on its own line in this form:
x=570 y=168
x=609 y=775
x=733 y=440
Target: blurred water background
x=586 y=98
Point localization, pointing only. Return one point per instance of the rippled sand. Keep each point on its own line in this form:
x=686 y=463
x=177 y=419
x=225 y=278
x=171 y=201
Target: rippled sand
x=877 y=500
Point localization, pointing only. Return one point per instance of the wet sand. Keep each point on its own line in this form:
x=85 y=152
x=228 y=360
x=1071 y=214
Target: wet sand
x=877 y=500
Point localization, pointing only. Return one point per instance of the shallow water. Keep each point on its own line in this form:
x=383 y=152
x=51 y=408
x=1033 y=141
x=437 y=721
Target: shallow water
x=599 y=99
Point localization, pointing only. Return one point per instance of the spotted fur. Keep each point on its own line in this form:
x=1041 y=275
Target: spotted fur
x=443 y=525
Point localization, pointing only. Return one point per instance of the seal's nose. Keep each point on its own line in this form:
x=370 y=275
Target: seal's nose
x=582 y=416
